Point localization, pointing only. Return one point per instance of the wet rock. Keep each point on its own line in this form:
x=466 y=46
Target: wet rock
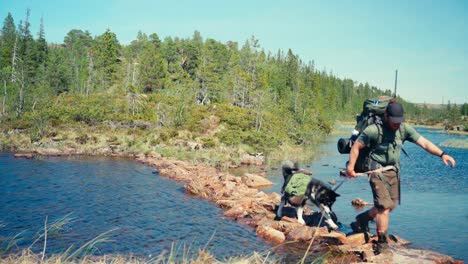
x=289 y=219
x=255 y=181
x=335 y=238
x=386 y=258
x=408 y=255
x=306 y=233
x=356 y=239
x=49 y=152
x=24 y=155
x=360 y=202
x=286 y=227
x=255 y=160
x=270 y=234
x=235 y=212
x=398 y=240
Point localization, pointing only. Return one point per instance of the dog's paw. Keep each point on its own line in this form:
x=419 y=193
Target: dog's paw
x=331 y=224
x=301 y=221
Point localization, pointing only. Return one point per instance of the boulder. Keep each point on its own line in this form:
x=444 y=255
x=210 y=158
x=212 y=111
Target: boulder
x=270 y=234
x=306 y=233
x=335 y=238
x=236 y=212
x=24 y=155
x=356 y=239
x=360 y=202
x=255 y=181
x=255 y=160
x=49 y=152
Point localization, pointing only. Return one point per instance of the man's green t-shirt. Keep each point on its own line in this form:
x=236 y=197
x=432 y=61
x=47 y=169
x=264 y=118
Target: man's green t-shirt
x=388 y=152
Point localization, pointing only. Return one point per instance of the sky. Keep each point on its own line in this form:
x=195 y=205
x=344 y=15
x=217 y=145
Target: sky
x=364 y=40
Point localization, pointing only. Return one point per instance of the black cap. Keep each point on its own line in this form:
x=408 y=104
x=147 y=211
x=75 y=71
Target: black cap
x=395 y=113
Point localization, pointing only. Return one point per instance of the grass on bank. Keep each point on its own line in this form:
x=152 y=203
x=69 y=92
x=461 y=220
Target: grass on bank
x=9 y=253
x=456 y=143
x=105 y=139
x=85 y=253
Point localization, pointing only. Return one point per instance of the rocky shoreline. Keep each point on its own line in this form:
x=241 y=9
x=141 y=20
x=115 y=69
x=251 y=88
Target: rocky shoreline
x=242 y=200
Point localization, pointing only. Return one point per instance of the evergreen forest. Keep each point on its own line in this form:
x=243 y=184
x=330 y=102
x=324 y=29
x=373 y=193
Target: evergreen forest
x=156 y=91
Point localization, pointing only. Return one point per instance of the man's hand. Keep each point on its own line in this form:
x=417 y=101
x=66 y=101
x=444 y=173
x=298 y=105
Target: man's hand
x=350 y=173
x=446 y=159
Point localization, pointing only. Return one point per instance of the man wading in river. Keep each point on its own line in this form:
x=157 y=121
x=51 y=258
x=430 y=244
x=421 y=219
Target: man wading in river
x=385 y=185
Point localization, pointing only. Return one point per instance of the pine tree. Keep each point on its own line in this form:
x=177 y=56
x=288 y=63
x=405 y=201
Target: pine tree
x=26 y=49
x=7 y=41
x=58 y=73
x=41 y=46
x=106 y=52
x=77 y=43
x=151 y=68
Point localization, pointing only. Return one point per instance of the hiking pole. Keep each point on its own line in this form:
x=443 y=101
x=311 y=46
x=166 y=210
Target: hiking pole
x=386 y=168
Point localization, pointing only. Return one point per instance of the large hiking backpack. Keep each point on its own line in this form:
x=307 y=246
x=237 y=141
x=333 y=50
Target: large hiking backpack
x=373 y=110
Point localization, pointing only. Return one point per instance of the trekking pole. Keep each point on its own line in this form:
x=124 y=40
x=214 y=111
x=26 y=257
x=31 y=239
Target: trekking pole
x=386 y=168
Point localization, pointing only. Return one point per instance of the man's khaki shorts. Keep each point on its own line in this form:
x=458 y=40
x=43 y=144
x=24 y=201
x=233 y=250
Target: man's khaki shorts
x=385 y=189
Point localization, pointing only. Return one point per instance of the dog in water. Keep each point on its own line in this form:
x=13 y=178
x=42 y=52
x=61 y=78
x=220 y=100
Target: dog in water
x=299 y=186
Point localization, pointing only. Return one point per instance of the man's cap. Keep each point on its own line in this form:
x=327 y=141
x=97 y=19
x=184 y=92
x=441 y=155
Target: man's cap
x=395 y=112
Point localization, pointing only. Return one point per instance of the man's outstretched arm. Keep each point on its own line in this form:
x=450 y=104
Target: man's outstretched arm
x=434 y=150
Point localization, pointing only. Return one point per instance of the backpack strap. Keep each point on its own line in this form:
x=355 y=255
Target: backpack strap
x=402 y=134
x=380 y=135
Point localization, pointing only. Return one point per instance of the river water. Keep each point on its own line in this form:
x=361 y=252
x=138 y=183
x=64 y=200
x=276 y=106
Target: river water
x=147 y=214
x=150 y=214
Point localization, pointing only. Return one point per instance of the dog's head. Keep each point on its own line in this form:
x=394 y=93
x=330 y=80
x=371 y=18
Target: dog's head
x=327 y=197
x=322 y=192
x=289 y=168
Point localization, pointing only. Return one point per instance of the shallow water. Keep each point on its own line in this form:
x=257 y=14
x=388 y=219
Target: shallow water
x=150 y=213
x=433 y=213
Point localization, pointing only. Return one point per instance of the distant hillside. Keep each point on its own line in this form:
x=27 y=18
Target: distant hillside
x=432 y=106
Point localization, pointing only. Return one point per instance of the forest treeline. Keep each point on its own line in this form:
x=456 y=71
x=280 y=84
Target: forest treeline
x=254 y=97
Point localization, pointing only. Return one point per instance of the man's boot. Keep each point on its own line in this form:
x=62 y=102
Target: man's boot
x=382 y=244
x=361 y=225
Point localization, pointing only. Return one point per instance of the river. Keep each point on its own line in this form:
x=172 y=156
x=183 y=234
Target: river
x=147 y=214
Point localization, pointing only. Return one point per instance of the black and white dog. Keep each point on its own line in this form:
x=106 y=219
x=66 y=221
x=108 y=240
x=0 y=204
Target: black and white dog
x=320 y=194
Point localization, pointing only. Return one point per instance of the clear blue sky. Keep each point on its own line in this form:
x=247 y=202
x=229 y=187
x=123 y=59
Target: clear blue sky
x=427 y=41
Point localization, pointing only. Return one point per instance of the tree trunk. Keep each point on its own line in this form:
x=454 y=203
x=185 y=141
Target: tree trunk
x=90 y=74
x=4 y=98
x=13 y=61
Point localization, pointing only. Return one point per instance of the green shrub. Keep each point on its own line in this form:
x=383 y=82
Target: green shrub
x=208 y=142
